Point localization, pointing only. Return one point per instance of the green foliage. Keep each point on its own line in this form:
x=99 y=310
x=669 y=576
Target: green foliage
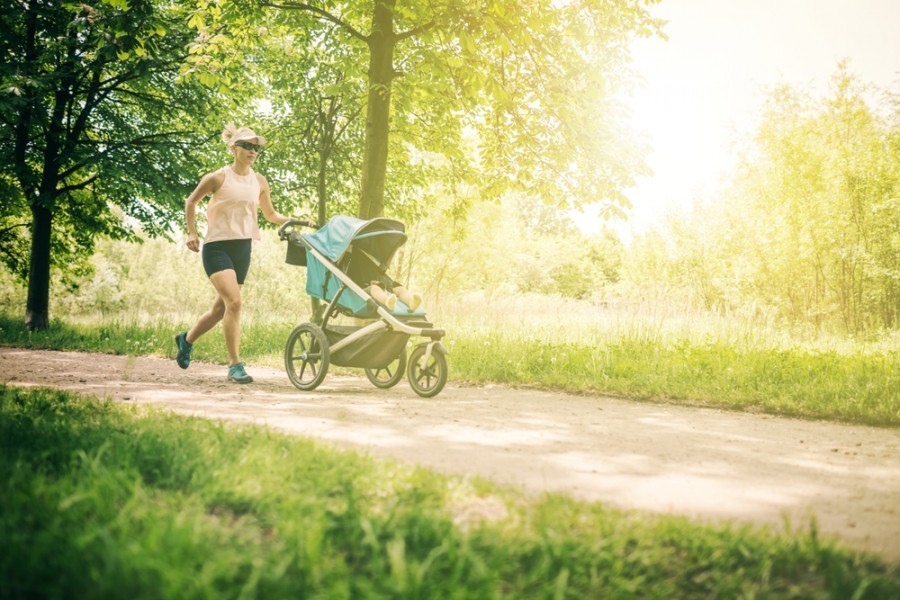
x=508 y=247
x=95 y=120
x=836 y=178
x=809 y=229
x=502 y=96
x=104 y=72
x=102 y=500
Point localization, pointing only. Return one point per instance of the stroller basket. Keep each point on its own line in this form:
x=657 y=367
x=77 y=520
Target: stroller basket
x=374 y=351
x=296 y=253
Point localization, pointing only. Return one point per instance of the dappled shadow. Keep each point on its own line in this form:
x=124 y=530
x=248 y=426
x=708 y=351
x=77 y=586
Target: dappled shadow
x=701 y=463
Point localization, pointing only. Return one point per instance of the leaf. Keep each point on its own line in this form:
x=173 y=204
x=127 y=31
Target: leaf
x=196 y=21
x=467 y=43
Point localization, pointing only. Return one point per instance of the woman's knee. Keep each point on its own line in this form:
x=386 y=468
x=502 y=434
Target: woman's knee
x=232 y=305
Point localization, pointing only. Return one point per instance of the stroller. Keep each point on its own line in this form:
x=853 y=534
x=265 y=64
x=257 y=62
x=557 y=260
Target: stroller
x=340 y=259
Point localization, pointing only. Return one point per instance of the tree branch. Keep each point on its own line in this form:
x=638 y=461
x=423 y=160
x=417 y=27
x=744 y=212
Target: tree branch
x=324 y=14
x=6 y=230
x=77 y=186
x=415 y=31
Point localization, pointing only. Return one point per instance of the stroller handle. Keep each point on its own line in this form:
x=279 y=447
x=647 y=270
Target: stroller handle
x=293 y=223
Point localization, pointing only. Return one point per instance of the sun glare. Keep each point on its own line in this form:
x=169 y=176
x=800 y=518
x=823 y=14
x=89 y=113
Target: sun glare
x=703 y=89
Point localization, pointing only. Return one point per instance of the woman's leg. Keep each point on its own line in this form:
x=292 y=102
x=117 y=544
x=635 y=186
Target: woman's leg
x=228 y=303
x=207 y=320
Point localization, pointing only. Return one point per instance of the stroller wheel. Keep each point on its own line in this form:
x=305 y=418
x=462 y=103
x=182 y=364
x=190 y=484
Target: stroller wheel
x=389 y=376
x=427 y=380
x=306 y=356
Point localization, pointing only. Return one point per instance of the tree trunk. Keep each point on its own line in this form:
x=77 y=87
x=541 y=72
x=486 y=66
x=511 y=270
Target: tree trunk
x=37 y=308
x=378 y=111
x=325 y=131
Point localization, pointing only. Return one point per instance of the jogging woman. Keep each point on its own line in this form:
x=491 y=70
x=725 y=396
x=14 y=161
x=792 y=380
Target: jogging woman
x=238 y=193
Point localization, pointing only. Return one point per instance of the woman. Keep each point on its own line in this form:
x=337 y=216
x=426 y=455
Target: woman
x=238 y=193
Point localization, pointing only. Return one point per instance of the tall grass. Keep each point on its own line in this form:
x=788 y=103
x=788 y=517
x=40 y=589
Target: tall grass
x=581 y=348
x=648 y=351
x=677 y=357
x=101 y=500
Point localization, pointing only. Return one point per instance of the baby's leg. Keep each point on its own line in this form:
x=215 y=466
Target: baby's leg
x=381 y=296
x=410 y=299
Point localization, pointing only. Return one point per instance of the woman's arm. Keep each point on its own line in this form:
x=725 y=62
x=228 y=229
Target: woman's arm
x=268 y=209
x=208 y=185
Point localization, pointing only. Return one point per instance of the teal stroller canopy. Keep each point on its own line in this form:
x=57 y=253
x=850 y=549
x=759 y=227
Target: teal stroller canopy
x=362 y=251
x=379 y=238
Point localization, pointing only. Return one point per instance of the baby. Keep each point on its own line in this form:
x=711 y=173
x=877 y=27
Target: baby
x=411 y=299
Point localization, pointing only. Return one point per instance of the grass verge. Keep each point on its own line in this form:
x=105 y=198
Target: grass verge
x=105 y=500
x=850 y=385
x=856 y=387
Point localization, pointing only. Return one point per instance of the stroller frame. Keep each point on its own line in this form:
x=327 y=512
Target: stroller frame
x=377 y=347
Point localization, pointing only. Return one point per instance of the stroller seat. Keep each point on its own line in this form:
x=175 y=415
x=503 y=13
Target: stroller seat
x=363 y=256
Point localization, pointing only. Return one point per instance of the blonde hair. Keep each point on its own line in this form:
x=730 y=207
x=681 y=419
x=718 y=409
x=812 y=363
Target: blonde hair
x=231 y=131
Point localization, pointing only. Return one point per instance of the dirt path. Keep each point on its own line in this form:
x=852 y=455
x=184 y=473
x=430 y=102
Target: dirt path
x=706 y=464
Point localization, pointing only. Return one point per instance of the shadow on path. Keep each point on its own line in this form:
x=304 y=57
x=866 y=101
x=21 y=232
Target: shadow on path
x=703 y=463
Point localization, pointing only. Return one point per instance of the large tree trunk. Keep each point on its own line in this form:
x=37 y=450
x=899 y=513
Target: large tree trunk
x=37 y=308
x=378 y=112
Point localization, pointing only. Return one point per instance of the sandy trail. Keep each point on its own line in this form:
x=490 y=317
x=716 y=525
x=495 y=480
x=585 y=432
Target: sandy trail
x=707 y=464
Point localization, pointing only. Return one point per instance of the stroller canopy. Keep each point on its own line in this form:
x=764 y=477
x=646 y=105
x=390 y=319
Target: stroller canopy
x=359 y=251
x=378 y=237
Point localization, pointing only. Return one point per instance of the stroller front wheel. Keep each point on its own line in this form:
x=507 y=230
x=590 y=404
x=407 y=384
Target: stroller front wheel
x=427 y=380
x=306 y=356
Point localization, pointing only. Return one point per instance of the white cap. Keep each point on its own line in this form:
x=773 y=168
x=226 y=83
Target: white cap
x=247 y=134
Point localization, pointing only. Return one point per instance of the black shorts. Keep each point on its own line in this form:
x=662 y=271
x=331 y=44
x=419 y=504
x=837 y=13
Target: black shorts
x=228 y=254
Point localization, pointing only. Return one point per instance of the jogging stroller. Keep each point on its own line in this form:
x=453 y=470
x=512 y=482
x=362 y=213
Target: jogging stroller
x=341 y=257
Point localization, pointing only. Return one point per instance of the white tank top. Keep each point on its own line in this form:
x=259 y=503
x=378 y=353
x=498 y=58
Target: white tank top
x=233 y=210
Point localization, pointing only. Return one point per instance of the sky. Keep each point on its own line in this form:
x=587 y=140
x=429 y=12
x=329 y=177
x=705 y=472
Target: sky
x=703 y=89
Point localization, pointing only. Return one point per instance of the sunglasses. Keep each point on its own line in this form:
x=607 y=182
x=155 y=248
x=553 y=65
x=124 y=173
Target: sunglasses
x=248 y=146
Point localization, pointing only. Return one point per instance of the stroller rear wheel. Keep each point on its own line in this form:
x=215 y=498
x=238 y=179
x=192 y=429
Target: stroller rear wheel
x=389 y=376
x=427 y=380
x=306 y=356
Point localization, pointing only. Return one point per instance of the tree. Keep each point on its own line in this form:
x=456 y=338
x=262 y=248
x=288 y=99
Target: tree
x=809 y=228
x=826 y=186
x=96 y=121
x=315 y=110
x=536 y=81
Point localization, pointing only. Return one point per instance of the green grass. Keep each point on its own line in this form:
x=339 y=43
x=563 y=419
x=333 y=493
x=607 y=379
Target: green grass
x=696 y=362
x=859 y=387
x=104 y=500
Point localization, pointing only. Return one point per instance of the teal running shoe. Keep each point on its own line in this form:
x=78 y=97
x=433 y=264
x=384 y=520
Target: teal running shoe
x=237 y=374
x=183 y=358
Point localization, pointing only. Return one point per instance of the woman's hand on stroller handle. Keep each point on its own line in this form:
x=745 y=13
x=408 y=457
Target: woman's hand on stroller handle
x=292 y=222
